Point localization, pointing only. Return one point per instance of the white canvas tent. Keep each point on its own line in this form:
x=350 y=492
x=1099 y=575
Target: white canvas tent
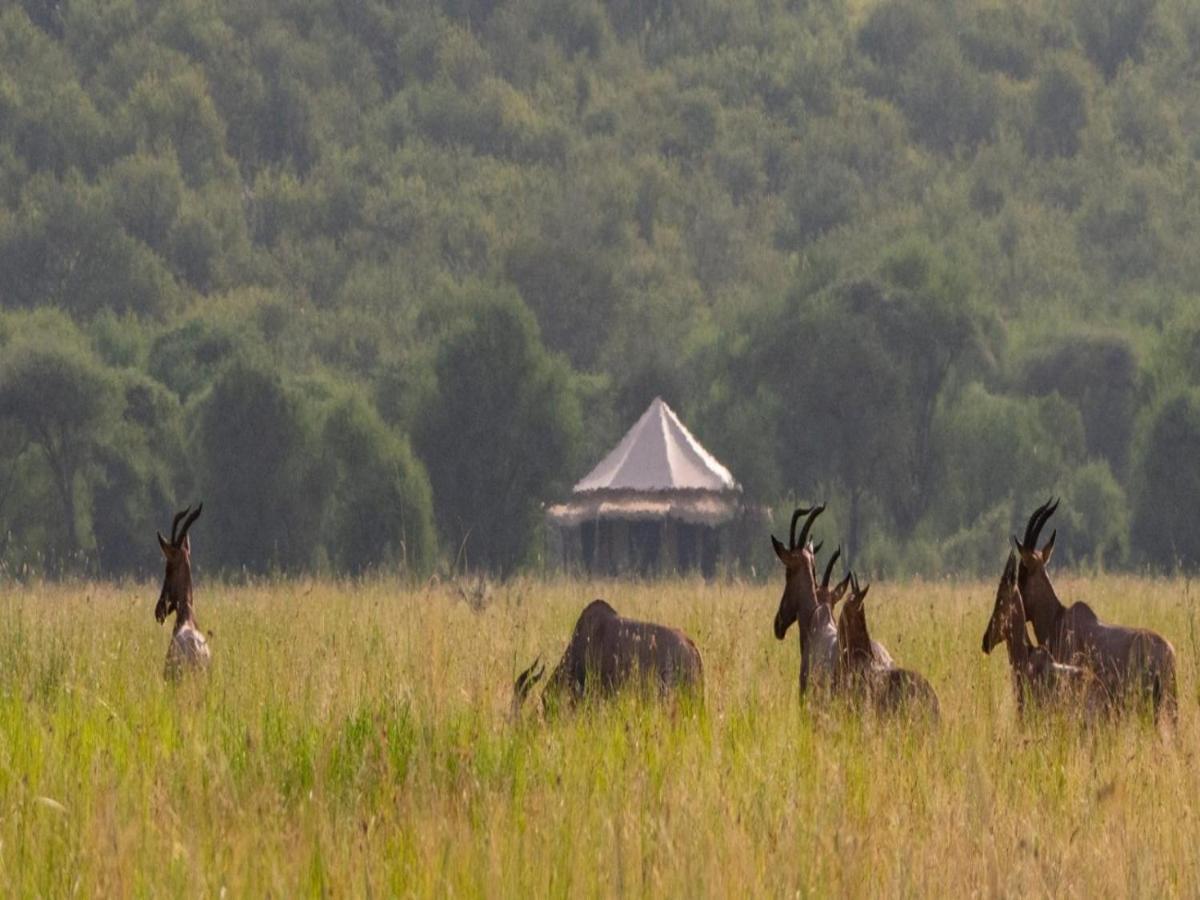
x=655 y=502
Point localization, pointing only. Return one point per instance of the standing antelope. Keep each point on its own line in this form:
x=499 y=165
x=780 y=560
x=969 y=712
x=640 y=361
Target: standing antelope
x=1036 y=676
x=1131 y=663
x=188 y=649
x=831 y=596
x=608 y=651
x=800 y=604
x=885 y=685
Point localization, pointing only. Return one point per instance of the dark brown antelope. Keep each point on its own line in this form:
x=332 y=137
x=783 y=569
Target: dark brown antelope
x=800 y=604
x=887 y=687
x=188 y=649
x=831 y=596
x=1037 y=678
x=1132 y=663
x=607 y=652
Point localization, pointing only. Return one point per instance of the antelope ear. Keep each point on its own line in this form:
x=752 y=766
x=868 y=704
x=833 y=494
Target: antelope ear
x=1048 y=550
x=781 y=551
x=1023 y=552
x=839 y=590
x=163 y=545
x=863 y=593
x=186 y=546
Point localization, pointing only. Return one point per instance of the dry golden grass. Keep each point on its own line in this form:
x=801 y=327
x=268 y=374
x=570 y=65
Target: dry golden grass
x=353 y=740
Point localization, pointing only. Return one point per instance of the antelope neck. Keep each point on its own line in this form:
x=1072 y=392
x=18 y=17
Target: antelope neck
x=804 y=588
x=1015 y=637
x=1042 y=606
x=183 y=607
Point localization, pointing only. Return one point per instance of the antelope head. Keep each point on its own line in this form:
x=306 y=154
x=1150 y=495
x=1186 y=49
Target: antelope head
x=176 y=593
x=799 y=600
x=853 y=637
x=524 y=684
x=831 y=596
x=1008 y=613
x=1033 y=560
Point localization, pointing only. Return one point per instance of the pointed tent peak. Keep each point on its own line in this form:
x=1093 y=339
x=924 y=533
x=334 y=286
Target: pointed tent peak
x=658 y=454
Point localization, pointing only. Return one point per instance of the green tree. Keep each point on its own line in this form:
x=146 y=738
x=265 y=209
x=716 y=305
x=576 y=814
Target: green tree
x=139 y=473
x=261 y=482
x=500 y=435
x=949 y=104
x=1100 y=374
x=1060 y=112
x=1096 y=520
x=186 y=358
x=1112 y=32
x=64 y=400
x=380 y=508
x=990 y=448
x=896 y=30
x=146 y=194
x=1165 y=531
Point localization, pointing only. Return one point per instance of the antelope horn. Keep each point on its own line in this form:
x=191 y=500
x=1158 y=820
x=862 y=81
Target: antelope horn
x=812 y=516
x=175 y=522
x=800 y=511
x=1037 y=521
x=187 y=523
x=527 y=679
x=1045 y=518
x=1010 y=568
x=1032 y=523
x=829 y=568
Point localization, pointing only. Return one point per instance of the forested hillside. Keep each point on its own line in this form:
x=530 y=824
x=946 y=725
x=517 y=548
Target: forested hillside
x=374 y=279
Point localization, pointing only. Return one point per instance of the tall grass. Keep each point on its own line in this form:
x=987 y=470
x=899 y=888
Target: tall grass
x=354 y=739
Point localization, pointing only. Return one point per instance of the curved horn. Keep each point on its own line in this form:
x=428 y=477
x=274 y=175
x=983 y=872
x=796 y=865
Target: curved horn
x=175 y=522
x=187 y=523
x=527 y=679
x=1010 y=568
x=1032 y=523
x=1042 y=524
x=829 y=568
x=800 y=511
x=812 y=517
x=1037 y=521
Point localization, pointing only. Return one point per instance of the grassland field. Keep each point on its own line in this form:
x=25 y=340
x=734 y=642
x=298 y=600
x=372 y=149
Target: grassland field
x=353 y=739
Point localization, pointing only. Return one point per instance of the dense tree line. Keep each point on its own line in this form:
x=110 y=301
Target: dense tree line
x=375 y=279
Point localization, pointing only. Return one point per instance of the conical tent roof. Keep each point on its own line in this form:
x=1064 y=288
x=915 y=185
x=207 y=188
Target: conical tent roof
x=658 y=454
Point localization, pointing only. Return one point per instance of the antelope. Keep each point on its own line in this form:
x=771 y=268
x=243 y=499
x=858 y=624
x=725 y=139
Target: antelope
x=832 y=596
x=800 y=604
x=189 y=648
x=607 y=652
x=885 y=685
x=1036 y=676
x=1131 y=663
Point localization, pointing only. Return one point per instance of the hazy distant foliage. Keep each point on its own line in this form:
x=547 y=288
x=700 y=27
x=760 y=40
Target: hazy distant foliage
x=929 y=261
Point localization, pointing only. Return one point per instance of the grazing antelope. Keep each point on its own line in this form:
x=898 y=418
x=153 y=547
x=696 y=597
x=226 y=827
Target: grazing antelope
x=608 y=651
x=887 y=687
x=188 y=649
x=1131 y=663
x=1036 y=676
x=800 y=604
